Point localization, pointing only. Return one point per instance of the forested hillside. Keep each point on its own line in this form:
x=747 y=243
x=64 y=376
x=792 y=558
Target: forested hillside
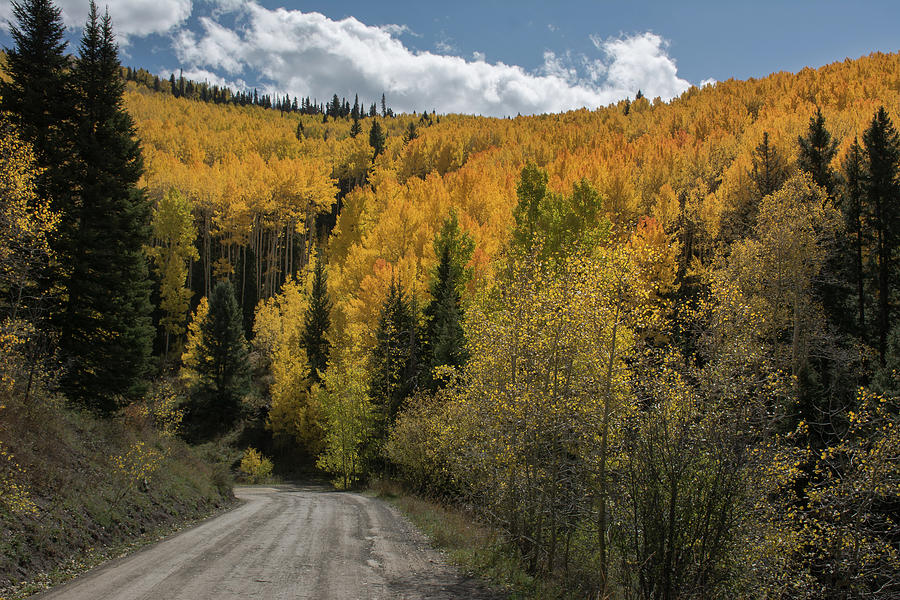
x=654 y=344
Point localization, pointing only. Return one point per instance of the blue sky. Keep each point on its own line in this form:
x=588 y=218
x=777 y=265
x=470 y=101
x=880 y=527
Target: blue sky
x=490 y=57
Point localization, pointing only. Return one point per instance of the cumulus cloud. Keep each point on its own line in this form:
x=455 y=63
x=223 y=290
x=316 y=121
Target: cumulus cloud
x=640 y=62
x=308 y=54
x=131 y=18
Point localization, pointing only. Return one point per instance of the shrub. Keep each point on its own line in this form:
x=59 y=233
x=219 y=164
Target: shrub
x=256 y=467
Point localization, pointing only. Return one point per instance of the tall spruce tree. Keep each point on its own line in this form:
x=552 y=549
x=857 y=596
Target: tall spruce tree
x=444 y=342
x=376 y=138
x=38 y=97
x=395 y=358
x=36 y=92
x=852 y=198
x=883 y=199
x=769 y=168
x=817 y=149
x=222 y=366
x=105 y=325
x=317 y=323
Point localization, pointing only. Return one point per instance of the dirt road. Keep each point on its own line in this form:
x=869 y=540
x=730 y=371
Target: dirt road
x=284 y=542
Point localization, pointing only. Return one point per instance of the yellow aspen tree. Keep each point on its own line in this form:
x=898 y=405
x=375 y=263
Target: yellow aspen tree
x=173 y=248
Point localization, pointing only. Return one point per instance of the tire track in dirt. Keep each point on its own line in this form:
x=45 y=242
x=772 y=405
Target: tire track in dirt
x=285 y=542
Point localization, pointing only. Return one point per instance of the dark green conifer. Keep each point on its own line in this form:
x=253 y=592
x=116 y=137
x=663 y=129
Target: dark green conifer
x=105 y=326
x=883 y=207
x=36 y=92
x=223 y=368
x=817 y=149
x=853 y=191
x=769 y=169
x=317 y=323
x=355 y=112
x=395 y=358
x=355 y=128
x=444 y=342
x=411 y=133
x=376 y=139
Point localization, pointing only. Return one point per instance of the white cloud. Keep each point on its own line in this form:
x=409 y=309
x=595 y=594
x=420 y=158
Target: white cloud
x=131 y=18
x=202 y=75
x=308 y=54
x=6 y=15
x=640 y=63
x=225 y=6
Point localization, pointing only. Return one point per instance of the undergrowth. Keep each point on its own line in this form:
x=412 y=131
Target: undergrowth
x=472 y=546
x=93 y=488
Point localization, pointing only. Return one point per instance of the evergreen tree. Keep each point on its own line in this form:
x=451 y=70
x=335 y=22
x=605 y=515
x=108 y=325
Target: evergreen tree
x=36 y=92
x=444 y=342
x=105 y=326
x=411 y=133
x=317 y=323
x=334 y=109
x=222 y=367
x=395 y=358
x=39 y=101
x=851 y=206
x=817 y=149
x=355 y=113
x=383 y=107
x=299 y=132
x=769 y=168
x=883 y=206
x=356 y=128
x=376 y=139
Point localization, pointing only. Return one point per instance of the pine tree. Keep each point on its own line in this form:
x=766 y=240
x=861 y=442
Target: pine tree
x=769 y=169
x=411 y=133
x=334 y=108
x=222 y=367
x=395 y=358
x=355 y=128
x=851 y=206
x=376 y=139
x=883 y=206
x=317 y=323
x=444 y=342
x=39 y=101
x=383 y=107
x=105 y=325
x=817 y=149
x=36 y=92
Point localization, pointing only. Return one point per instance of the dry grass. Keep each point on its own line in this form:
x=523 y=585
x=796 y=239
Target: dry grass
x=472 y=546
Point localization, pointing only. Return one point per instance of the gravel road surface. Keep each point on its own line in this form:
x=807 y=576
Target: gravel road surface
x=286 y=542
